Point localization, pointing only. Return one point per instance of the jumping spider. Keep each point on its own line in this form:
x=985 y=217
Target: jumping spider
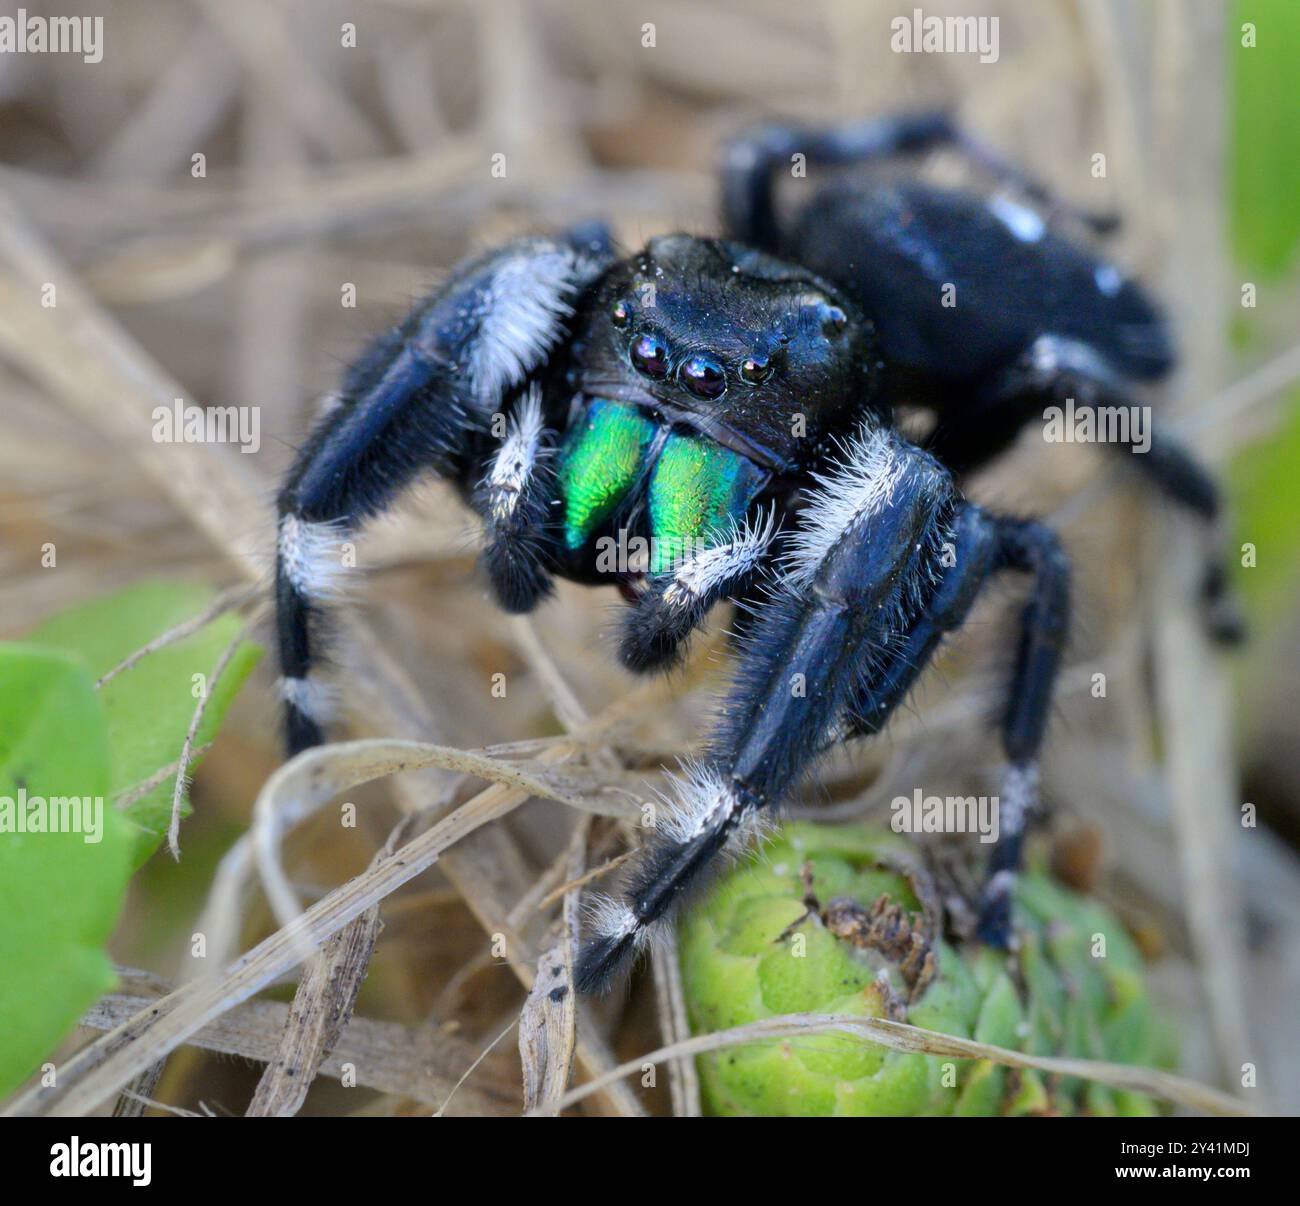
x=732 y=400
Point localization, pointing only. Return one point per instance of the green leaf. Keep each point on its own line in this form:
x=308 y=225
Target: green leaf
x=1265 y=157
x=60 y=894
x=1266 y=502
x=149 y=706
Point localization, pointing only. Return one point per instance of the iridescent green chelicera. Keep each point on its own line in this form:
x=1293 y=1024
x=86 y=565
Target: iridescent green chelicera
x=601 y=462
x=697 y=489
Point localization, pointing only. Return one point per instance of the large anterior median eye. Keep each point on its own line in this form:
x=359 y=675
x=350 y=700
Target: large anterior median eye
x=702 y=376
x=649 y=355
x=756 y=369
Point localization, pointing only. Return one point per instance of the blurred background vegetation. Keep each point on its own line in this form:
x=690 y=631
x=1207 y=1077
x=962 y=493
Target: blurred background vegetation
x=327 y=165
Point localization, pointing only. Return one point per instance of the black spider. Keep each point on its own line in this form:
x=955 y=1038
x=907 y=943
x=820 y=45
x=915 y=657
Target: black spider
x=729 y=401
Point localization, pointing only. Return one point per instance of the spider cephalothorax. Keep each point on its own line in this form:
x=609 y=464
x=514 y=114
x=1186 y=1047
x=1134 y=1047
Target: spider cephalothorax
x=759 y=355
x=726 y=404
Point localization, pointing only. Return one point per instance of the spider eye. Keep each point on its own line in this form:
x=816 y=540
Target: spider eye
x=620 y=314
x=649 y=355
x=834 y=320
x=755 y=369
x=702 y=376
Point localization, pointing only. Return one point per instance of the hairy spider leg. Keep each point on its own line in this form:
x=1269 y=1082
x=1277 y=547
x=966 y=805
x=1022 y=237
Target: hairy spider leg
x=750 y=158
x=983 y=545
x=863 y=562
x=970 y=558
x=1054 y=371
x=887 y=560
x=514 y=500
x=1032 y=548
x=417 y=401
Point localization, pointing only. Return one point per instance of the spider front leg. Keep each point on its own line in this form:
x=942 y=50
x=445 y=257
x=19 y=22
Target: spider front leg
x=886 y=560
x=422 y=399
x=675 y=603
x=513 y=500
x=865 y=559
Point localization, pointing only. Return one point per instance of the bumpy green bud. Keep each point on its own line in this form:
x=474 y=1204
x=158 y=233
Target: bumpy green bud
x=847 y=920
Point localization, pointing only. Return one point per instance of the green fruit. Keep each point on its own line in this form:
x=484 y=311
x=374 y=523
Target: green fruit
x=845 y=920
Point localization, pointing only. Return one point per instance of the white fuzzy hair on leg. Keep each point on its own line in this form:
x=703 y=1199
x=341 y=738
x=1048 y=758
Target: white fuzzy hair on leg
x=861 y=486
x=313 y=698
x=1019 y=796
x=517 y=457
x=613 y=919
x=310 y=556
x=738 y=554
x=521 y=315
x=699 y=798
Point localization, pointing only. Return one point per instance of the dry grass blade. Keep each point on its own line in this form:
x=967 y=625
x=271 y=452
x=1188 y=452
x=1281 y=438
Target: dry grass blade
x=303 y=785
x=898 y=1036
x=158 y=1030
x=137 y=791
x=380 y=1053
x=261 y=37
x=103 y=377
x=548 y=1024
x=1223 y=413
x=587 y=877
x=547 y=1030
x=139 y=1095
x=321 y=1007
x=187 y=746
x=670 y=1000
x=441 y=1111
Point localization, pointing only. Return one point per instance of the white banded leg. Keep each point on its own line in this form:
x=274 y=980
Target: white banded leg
x=513 y=499
x=866 y=558
x=420 y=398
x=675 y=603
